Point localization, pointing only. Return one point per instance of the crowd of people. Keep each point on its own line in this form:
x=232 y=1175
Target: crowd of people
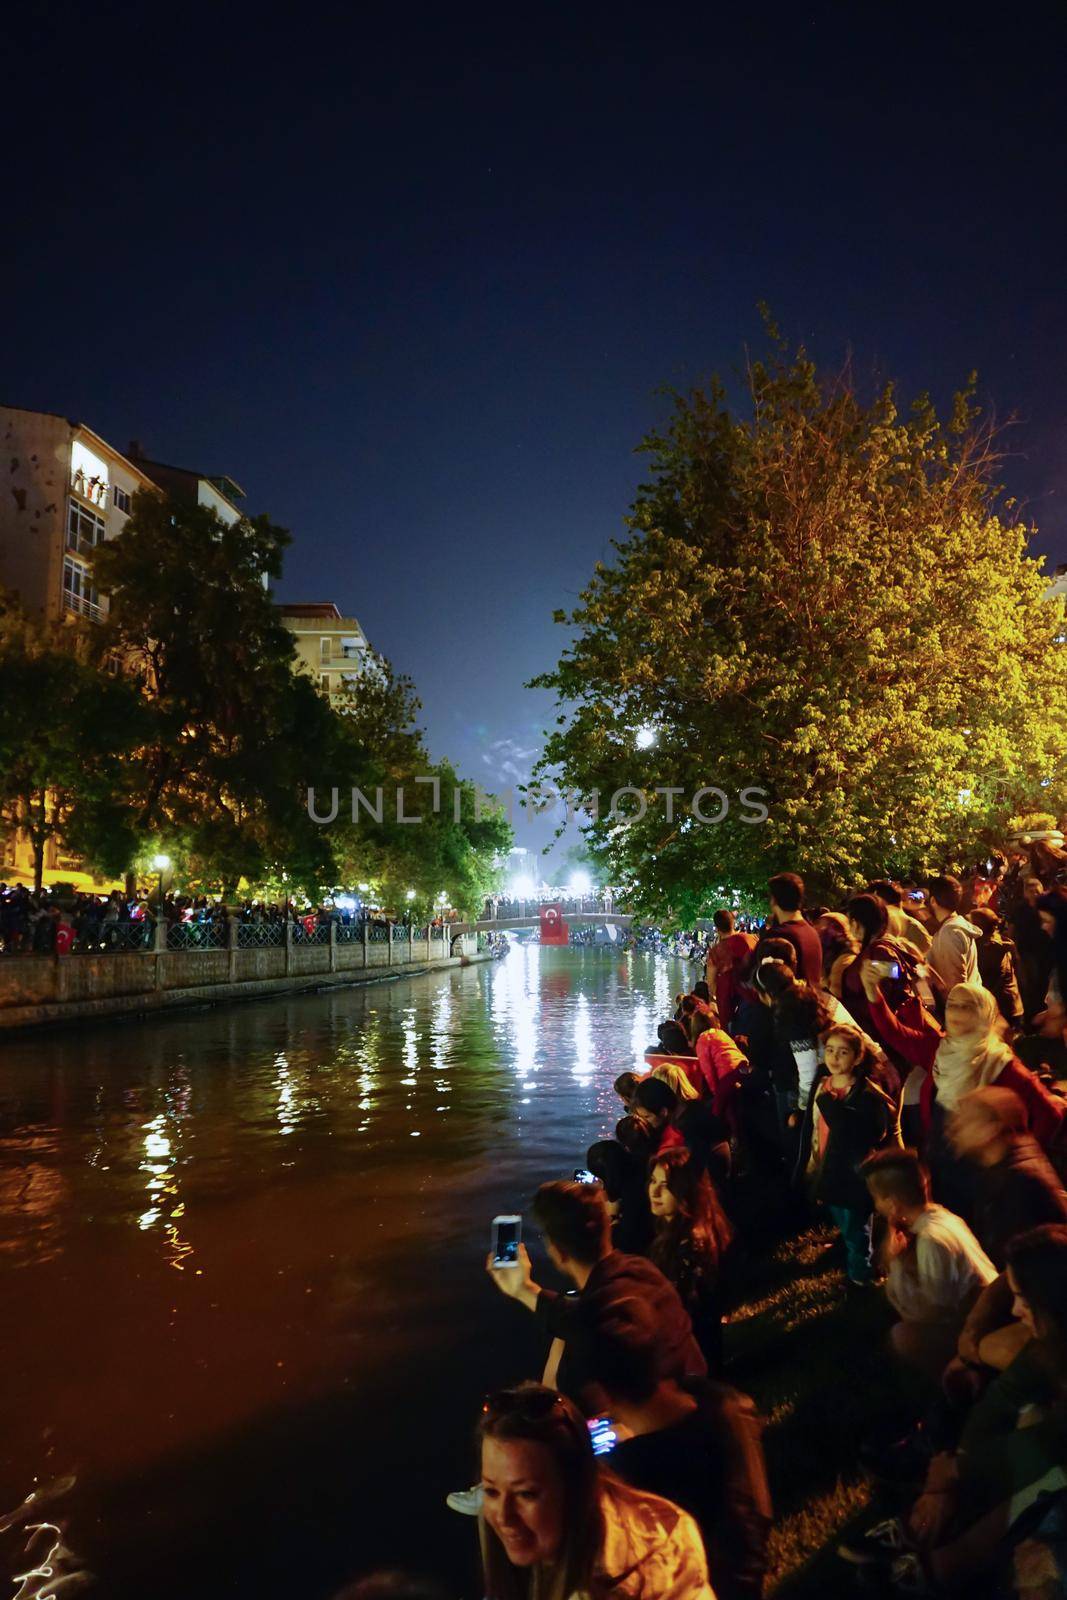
x=894 y=1066
x=52 y=923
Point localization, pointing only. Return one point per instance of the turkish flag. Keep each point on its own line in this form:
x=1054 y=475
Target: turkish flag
x=553 y=928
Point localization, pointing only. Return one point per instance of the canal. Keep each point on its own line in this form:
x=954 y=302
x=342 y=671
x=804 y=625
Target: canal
x=246 y=1326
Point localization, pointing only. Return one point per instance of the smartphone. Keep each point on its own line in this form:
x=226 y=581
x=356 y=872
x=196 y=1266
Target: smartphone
x=583 y=1175
x=507 y=1235
x=602 y=1434
x=887 y=969
x=916 y=894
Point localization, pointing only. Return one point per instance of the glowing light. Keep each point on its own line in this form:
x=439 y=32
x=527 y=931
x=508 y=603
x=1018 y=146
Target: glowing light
x=646 y=736
x=522 y=888
x=161 y=862
x=409 y=894
x=363 y=887
x=580 y=883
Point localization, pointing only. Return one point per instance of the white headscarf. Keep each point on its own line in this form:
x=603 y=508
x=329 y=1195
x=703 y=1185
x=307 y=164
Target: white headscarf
x=975 y=1058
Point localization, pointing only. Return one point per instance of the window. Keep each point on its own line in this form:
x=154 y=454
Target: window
x=325 y=649
x=324 y=681
x=85 y=530
x=120 y=499
x=78 y=592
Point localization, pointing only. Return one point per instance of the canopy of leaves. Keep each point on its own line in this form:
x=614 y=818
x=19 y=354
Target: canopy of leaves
x=65 y=731
x=823 y=600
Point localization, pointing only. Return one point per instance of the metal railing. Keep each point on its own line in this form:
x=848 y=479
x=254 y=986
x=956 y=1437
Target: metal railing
x=83 y=607
x=257 y=935
x=115 y=936
x=349 y=933
x=378 y=933
x=197 y=936
x=400 y=933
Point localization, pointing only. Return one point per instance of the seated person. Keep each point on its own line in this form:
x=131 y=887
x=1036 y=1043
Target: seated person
x=577 y=1232
x=553 y=1524
x=1012 y=1453
x=697 y=1444
x=935 y=1267
x=623 y=1179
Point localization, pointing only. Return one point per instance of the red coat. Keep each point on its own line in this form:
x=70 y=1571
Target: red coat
x=720 y=1064
x=917 y=1035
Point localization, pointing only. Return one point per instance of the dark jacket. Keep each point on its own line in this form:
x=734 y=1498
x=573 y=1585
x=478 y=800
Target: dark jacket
x=996 y=968
x=856 y=1125
x=615 y=1281
x=770 y=1057
x=1020 y=1192
x=711 y=1464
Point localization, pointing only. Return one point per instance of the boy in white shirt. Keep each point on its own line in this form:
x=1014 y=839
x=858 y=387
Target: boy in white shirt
x=935 y=1267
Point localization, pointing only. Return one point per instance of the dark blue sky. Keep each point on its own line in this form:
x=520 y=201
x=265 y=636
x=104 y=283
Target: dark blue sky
x=412 y=278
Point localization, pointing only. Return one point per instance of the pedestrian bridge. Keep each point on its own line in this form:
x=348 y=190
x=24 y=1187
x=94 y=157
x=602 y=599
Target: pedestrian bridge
x=573 y=919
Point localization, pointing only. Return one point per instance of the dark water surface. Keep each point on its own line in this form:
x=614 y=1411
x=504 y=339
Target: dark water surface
x=243 y=1300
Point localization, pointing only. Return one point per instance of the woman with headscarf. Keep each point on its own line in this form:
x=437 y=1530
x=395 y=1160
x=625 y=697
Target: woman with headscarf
x=968 y=1053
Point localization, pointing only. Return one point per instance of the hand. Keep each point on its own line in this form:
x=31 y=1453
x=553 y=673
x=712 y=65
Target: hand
x=897 y=1241
x=967 y=1348
x=870 y=980
x=929 y=1516
x=515 y=1282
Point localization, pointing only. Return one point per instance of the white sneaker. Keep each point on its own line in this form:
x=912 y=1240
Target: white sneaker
x=877 y=1546
x=468 y=1502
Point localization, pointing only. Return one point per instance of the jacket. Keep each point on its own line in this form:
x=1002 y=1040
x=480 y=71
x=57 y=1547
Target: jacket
x=1020 y=1192
x=712 y=1465
x=651 y=1550
x=847 y=1129
x=954 y=952
x=996 y=967
x=616 y=1280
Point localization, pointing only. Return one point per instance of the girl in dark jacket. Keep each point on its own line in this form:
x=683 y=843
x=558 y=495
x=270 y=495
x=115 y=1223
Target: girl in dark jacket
x=852 y=1118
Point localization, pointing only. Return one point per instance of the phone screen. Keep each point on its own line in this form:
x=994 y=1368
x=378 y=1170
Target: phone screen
x=602 y=1435
x=507 y=1232
x=583 y=1175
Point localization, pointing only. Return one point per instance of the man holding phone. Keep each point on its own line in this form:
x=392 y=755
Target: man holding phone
x=577 y=1233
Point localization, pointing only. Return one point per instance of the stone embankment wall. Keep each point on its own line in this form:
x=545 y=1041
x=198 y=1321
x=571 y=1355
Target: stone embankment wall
x=35 y=990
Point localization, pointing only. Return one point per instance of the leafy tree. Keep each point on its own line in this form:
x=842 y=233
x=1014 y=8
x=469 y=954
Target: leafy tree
x=828 y=601
x=65 y=729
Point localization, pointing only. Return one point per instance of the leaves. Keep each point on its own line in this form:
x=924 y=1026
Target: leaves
x=820 y=599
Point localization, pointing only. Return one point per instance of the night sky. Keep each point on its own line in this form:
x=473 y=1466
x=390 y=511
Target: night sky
x=413 y=276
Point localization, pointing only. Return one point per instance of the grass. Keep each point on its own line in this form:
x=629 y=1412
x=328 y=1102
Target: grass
x=815 y=1363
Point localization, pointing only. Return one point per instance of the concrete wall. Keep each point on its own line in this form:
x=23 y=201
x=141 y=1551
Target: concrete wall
x=35 y=485
x=43 y=989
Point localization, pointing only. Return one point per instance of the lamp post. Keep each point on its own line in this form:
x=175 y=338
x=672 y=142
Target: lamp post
x=161 y=862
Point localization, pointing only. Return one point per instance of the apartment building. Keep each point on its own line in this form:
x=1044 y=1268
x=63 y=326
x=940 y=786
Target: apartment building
x=330 y=647
x=68 y=491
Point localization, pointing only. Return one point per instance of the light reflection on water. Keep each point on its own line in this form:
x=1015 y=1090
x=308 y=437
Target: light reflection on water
x=212 y=1216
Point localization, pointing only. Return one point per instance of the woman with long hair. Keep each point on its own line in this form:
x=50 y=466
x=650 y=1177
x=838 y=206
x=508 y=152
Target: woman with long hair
x=692 y=1238
x=552 y=1527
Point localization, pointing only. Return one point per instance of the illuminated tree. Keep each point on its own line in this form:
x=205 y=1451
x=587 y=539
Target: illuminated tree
x=825 y=600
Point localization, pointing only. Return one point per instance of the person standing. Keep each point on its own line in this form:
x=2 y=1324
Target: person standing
x=786 y=890
x=954 y=952
x=726 y=960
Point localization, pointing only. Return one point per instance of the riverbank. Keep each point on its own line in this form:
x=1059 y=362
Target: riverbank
x=45 y=991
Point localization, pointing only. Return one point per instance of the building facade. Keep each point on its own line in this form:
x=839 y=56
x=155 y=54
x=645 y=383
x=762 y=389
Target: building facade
x=331 y=648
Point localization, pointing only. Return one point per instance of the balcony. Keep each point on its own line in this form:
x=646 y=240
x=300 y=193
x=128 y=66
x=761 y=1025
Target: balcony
x=83 y=607
x=93 y=489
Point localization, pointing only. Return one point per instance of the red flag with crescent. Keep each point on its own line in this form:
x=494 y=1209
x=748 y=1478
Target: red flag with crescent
x=553 y=928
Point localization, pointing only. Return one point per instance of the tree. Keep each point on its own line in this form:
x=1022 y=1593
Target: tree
x=65 y=730
x=236 y=734
x=827 y=601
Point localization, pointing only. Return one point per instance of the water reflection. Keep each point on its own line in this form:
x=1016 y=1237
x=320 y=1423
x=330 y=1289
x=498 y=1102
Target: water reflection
x=214 y=1217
